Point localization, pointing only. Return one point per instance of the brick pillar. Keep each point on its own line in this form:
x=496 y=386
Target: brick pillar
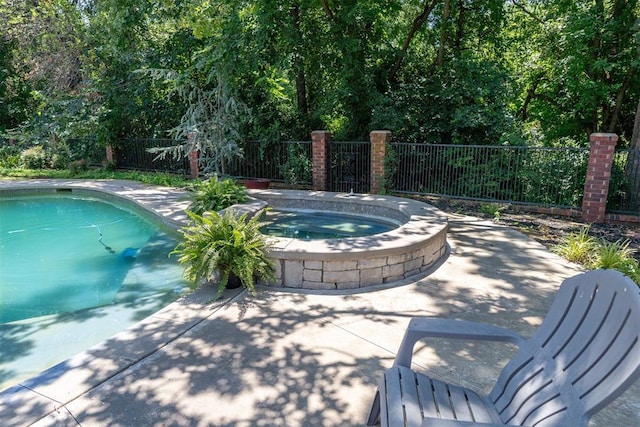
x=379 y=140
x=320 y=140
x=194 y=155
x=596 y=186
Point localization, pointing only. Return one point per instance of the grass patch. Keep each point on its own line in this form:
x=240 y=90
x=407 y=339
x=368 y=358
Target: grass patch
x=152 y=178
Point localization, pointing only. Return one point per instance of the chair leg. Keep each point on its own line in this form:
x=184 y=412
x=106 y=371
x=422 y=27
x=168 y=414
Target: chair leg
x=374 y=413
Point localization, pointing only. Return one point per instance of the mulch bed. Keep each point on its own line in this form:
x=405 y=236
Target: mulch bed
x=546 y=229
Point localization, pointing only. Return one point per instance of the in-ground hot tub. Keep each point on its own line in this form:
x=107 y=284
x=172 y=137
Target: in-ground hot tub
x=414 y=246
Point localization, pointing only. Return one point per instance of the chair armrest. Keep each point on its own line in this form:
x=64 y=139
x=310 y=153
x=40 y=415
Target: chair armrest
x=432 y=327
x=438 y=422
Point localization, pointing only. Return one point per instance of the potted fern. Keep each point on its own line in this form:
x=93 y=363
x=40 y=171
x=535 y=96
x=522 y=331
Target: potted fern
x=225 y=245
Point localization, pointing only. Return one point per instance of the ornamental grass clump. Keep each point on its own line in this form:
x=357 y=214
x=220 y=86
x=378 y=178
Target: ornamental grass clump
x=577 y=247
x=599 y=254
x=618 y=256
x=222 y=244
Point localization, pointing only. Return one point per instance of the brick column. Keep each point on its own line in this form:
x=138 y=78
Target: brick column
x=320 y=140
x=194 y=156
x=596 y=186
x=379 y=140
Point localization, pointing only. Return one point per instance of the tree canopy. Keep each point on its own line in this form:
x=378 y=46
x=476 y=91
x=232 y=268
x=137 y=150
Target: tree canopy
x=437 y=71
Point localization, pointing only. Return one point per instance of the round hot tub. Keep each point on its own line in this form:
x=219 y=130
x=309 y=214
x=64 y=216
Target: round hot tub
x=412 y=247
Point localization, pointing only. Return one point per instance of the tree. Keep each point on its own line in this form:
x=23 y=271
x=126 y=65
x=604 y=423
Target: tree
x=633 y=165
x=576 y=63
x=211 y=123
x=42 y=60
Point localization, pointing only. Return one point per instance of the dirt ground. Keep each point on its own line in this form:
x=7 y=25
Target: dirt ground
x=546 y=229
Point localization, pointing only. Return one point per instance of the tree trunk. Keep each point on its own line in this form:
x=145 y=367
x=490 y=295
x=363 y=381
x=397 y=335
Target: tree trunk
x=298 y=64
x=460 y=26
x=417 y=23
x=633 y=166
x=635 y=137
x=443 y=33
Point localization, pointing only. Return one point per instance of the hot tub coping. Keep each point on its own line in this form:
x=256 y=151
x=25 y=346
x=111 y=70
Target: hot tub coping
x=420 y=220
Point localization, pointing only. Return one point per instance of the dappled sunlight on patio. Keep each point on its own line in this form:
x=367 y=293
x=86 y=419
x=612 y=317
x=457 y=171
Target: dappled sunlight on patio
x=304 y=357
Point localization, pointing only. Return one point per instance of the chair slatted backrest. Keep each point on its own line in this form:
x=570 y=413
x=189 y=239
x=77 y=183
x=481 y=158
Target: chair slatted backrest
x=584 y=355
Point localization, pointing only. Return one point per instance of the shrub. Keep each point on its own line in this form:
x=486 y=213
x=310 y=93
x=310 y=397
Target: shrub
x=215 y=194
x=9 y=157
x=62 y=157
x=493 y=209
x=34 y=158
x=77 y=166
x=110 y=166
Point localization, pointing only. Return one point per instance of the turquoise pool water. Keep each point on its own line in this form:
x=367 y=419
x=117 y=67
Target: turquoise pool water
x=310 y=225
x=75 y=270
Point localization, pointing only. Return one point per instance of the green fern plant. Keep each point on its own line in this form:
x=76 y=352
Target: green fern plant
x=577 y=247
x=225 y=244
x=216 y=194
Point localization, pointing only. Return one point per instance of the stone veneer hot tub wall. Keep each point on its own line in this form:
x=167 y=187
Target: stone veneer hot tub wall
x=411 y=248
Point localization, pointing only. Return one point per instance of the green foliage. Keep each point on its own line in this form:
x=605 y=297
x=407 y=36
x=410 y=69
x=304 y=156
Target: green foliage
x=211 y=123
x=77 y=166
x=297 y=169
x=162 y=179
x=578 y=247
x=222 y=244
x=216 y=194
x=9 y=156
x=62 y=156
x=493 y=209
x=34 y=158
x=487 y=72
x=575 y=64
x=462 y=102
x=569 y=170
x=621 y=182
x=599 y=254
x=618 y=256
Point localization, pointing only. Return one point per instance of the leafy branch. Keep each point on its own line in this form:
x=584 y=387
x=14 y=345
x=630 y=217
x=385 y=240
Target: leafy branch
x=211 y=123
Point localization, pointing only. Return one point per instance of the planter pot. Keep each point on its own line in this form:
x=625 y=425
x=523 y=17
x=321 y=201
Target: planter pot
x=258 y=184
x=234 y=282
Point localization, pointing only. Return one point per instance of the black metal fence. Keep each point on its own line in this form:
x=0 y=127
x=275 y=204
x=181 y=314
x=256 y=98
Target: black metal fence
x=133 y=153
x=349 y=166
x=536 y=175
x=624 y=186
x=527 y=175
x=88 y=149
x=288 y=161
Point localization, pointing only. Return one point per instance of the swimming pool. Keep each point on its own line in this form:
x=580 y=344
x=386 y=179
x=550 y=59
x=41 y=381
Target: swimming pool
x=74 y=270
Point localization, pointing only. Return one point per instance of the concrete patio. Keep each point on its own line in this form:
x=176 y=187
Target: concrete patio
x=303 y=358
